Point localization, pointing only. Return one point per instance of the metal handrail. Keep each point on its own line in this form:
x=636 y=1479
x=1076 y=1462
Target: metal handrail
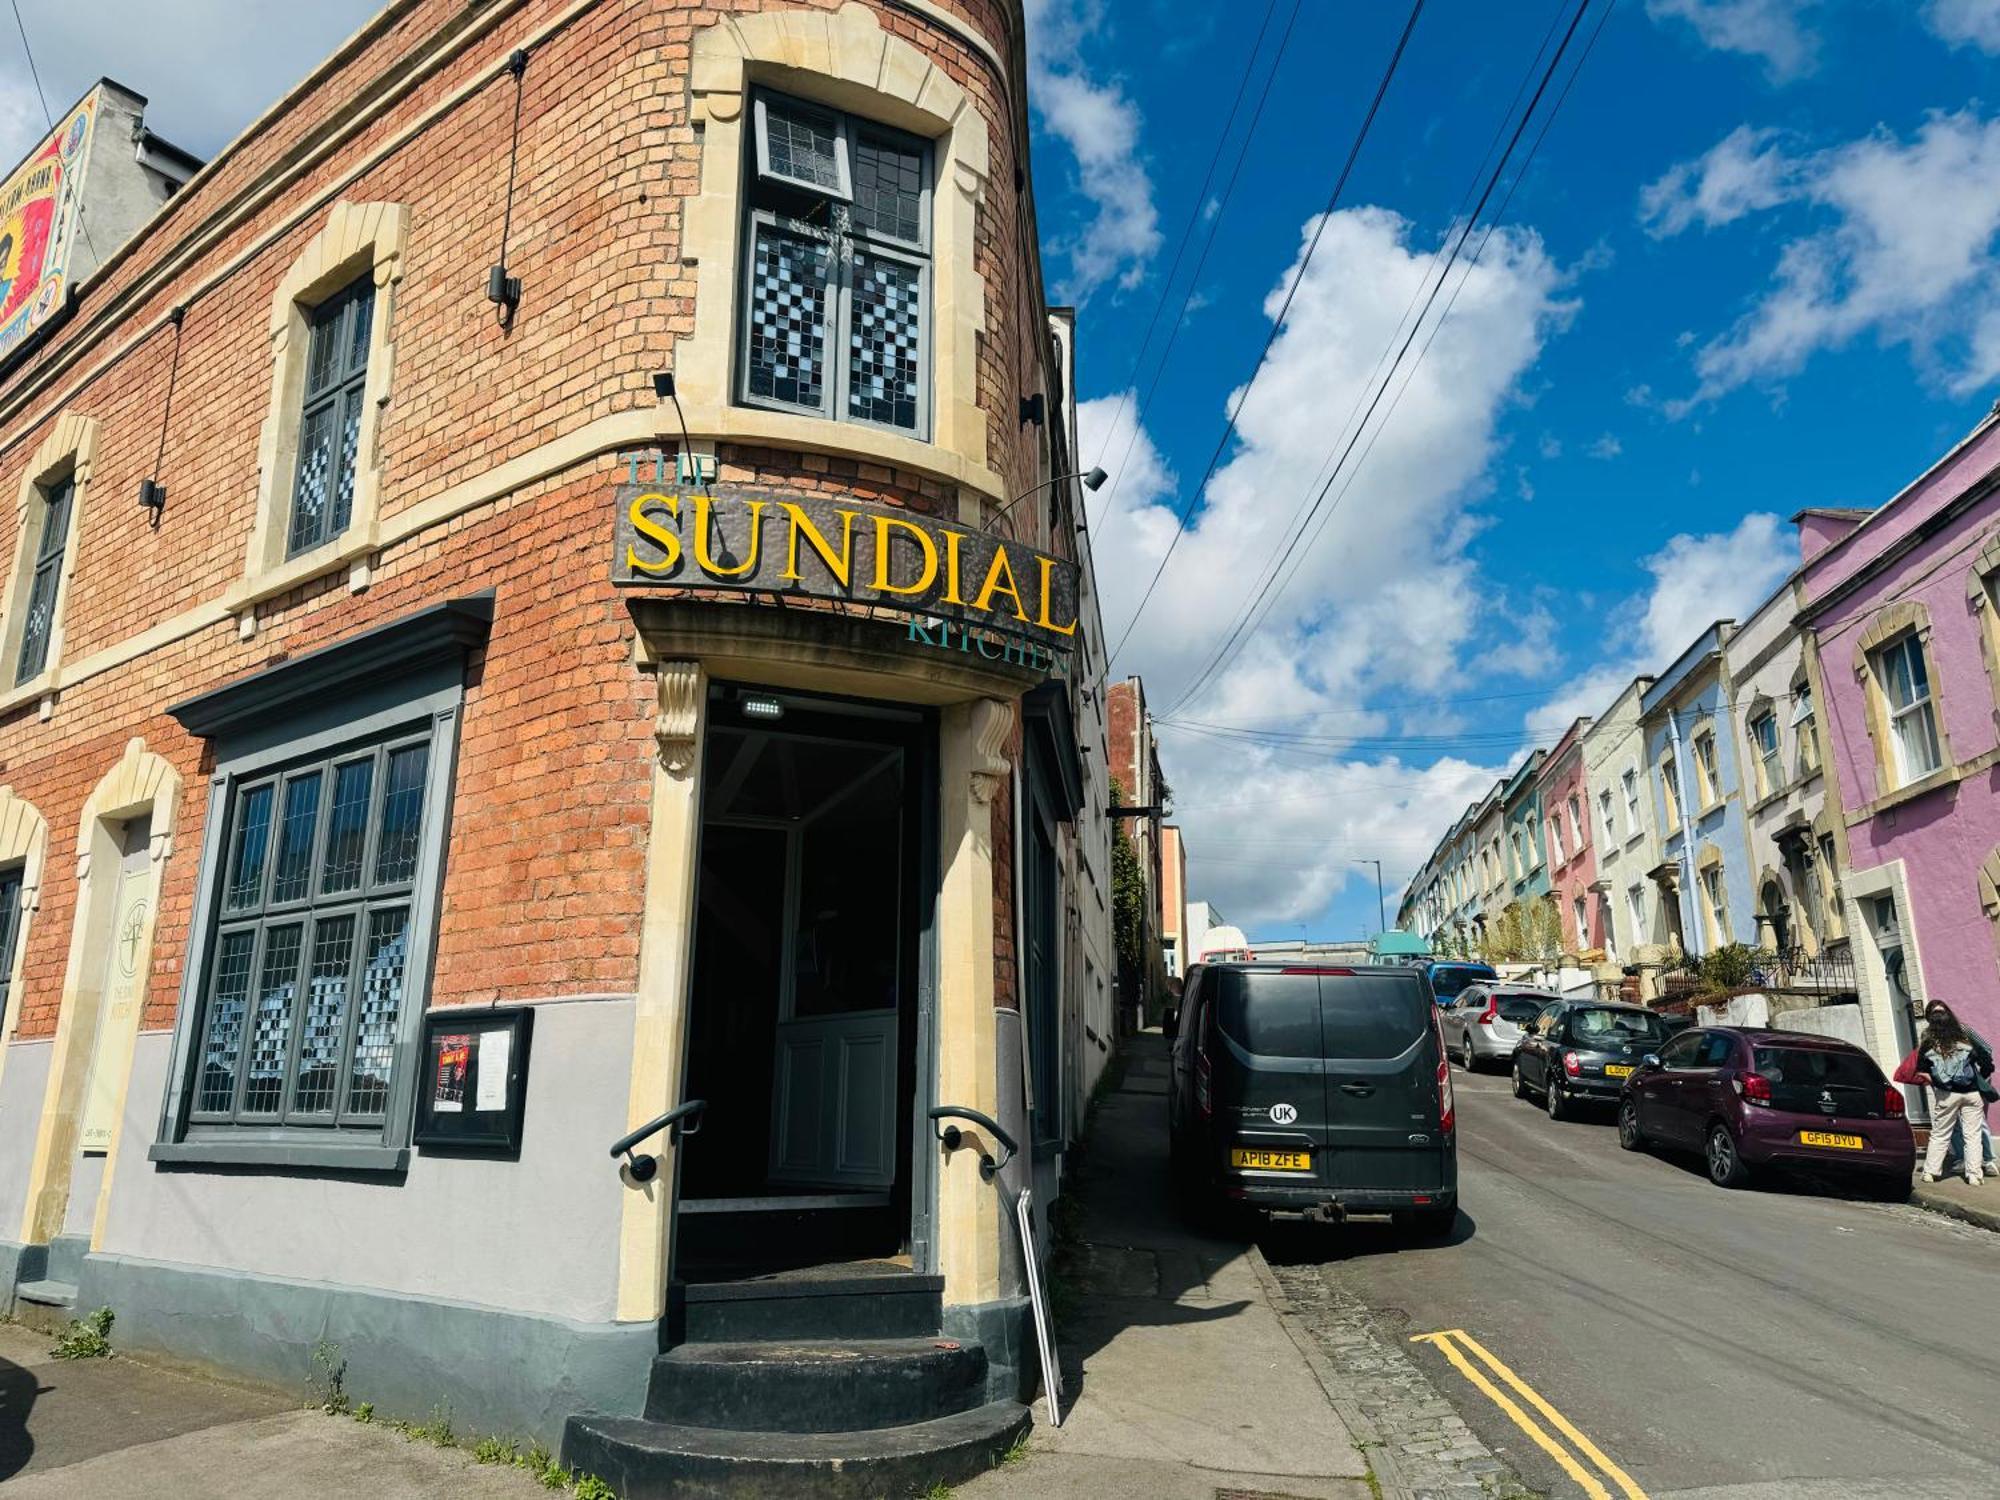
x=953 y=1137
x=683 y=1119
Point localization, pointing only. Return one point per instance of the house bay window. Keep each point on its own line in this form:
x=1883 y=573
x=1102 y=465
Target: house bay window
x=837 y=292
x=316 y=912
x=1906 y=688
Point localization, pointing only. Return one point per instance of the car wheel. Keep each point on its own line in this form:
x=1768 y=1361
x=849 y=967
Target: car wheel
x=1465 y=1058
x=1554 y=1100
x=1630 y=1136
x=1520 y=1083
x=1725 y=1163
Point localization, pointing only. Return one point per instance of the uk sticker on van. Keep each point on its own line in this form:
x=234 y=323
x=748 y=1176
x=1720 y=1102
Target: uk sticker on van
x=1283 y=1114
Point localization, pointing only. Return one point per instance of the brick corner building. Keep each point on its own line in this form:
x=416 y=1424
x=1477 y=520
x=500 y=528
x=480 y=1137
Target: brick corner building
x=546 y=591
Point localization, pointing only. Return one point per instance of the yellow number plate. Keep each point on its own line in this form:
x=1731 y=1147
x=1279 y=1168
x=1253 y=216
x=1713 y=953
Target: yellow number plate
x=1828 y=1138
x=1618 y=1070
x=1272 y=1161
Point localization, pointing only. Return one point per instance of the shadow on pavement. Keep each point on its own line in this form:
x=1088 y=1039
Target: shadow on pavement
x=18 y=1390
x=1298 y=1242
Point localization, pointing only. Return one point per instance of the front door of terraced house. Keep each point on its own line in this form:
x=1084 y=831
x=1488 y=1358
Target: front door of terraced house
x=803 y=1006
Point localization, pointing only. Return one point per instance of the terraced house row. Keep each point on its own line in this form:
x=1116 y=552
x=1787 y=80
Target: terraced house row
x=1815 y=783
x=552 y=736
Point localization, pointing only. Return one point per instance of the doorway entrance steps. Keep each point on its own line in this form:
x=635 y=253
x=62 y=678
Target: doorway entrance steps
x=832 y=1387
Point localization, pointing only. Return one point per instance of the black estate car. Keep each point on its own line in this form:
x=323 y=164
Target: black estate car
x=1578 y=1050
x=1311 y=1089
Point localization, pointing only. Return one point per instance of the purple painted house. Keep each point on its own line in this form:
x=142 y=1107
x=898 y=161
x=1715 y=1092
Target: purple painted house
x=1903 y=653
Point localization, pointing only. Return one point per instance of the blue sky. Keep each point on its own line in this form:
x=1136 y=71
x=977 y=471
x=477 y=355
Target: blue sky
x=1752 y=268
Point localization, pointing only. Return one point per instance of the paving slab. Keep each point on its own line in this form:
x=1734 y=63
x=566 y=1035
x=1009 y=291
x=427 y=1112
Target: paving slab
x=1975 y=1205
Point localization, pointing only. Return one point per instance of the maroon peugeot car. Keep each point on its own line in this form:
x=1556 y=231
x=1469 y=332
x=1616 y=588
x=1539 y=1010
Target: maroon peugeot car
x=1748 y=1099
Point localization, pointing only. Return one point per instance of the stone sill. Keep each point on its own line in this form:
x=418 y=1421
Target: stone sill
x=309 y=1155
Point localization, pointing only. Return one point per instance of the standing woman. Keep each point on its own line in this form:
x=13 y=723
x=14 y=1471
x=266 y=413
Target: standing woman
x=1949 y=1066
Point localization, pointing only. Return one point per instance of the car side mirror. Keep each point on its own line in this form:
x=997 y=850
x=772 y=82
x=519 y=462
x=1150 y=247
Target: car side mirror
x=1650 y=1062
x=1170 y=1024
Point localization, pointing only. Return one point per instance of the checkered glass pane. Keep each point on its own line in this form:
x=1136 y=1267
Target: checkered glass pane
x=323 y=360
x=350 y=450
x=358 y=328
x=227 y=997
x=295 y=838
x=316 y=465
x=347 y=827
x=246 y=863
x=402 y=814
x=381 y=1003
x=884 y=341
x=326 y=1016
x=40 y=619
x=800 y=146
x=888 y=190
x=271 y=1025
x=789 y=297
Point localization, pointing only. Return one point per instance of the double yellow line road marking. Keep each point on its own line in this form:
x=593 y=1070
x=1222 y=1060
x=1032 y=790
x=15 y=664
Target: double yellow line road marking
x=1460 y=1347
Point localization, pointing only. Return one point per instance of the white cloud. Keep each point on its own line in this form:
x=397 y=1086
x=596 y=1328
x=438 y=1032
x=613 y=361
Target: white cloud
x=1908 y=257
x=1966 y=23
x=1773 y=30
x=1747 y=170
x=1696 y=580
x=1550 y=446
x=1386 y=607
x=1100 y=125
x=207 y=71
x=1606 y=448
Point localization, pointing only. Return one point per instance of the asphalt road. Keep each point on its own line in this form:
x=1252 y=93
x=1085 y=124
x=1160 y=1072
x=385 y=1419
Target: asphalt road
x=1762 y=1344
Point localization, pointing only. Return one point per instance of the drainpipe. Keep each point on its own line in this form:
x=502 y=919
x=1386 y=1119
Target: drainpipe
x=1690 y=897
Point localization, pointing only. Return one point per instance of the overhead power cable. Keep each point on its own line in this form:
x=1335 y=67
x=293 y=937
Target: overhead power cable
x=1275 y=586
x=1277 y=326
x=36 y=74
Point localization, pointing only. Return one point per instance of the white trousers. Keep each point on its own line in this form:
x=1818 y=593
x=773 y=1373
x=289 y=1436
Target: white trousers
x=1963 y=1111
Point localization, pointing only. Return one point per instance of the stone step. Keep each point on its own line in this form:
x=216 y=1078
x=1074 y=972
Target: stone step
x=46 y=1305
x=899 y=1305
x=819 y=1385
x=645 y=1460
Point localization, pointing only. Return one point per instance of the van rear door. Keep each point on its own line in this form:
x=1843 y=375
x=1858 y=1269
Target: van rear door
x=1271 y=1094
x=1383 y=1127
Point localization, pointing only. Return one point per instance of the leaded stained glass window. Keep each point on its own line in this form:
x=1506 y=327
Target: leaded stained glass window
x=330 y=419
x=307 y=991
x=46 y=580
x=837 y=271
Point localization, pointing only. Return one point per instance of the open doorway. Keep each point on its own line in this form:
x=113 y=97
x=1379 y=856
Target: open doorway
x=812 y=898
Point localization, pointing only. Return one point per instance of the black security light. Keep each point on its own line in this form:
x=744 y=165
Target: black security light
x=153 y=494
x=663 y=387
x=1033 y=409
x=1093 y=479
x=504 y=290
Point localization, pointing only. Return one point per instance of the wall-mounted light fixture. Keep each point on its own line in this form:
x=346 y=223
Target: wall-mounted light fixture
x=761 y=706
x=1033 y=409
x=504 y=290
x=1092 y=479
x=689 y=467
x=153 y=494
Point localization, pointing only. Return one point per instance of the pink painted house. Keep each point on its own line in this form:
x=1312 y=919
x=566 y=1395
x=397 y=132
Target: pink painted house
x=1903 y=654
x=1565 y=798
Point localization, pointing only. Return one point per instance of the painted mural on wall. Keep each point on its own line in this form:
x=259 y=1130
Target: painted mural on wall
x=38 y=223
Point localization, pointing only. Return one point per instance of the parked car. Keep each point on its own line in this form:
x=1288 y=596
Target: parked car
x=1318 y=1090
x=1583 y=1050
x=1751 y=1098
x=1448 y=977
x=1483 y=1025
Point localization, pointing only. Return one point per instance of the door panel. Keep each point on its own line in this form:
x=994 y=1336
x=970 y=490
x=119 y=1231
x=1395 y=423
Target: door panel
x=1382 y=1111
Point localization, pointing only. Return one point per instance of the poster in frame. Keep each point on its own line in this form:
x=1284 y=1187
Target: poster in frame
x=473 y=1084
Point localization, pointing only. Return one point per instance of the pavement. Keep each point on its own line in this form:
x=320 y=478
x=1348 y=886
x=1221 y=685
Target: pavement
x=1784 y=1341
x=1183 y=1380
x=116 y=1429
x=1975 y=1205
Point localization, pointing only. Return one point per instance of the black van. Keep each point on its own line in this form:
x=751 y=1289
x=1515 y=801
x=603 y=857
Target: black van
x=1318 y=1090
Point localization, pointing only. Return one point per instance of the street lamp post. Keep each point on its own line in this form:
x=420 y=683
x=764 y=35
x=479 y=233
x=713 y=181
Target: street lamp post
x=1381 y=908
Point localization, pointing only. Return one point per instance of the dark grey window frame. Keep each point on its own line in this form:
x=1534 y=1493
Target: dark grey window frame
x=58 y=508
x=341 y=699
x=12 y=879
x=340 y=396
x=775 y=202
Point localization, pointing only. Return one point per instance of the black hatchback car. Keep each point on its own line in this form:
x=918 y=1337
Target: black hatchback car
x=1578 y=1050
x=1314 y=1090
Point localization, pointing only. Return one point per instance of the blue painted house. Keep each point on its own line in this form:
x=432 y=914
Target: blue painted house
x=1521 y=803
x=1696 y=782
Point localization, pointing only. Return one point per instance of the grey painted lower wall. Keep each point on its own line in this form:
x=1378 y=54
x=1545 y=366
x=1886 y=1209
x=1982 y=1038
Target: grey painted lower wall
x=534 y=1236
x=504 y=1373
x=24 y=1079
x=1006 y=1329
x=86 y=1180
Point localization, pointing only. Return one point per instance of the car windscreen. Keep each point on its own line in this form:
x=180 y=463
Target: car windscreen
x=1816 y=1067
x=1372 y=1015
x=1270 y=1015
x=1613 y=1027
x=1448 y=979
x=1520 y=1009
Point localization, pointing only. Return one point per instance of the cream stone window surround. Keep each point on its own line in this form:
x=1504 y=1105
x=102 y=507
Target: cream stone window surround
x=842 y=59
x=358 y=239
x=1885 y=626
x=24 y=841
x=1982 y=597
x=67 y=453
x=1713 y=893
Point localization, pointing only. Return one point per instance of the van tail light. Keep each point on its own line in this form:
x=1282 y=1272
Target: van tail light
x=1572 y=1064
x=1447 y=1104
x=1892 y=1102
x=1754 y=1087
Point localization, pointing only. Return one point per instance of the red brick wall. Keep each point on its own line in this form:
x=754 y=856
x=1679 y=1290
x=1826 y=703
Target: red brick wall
x=544 y=877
